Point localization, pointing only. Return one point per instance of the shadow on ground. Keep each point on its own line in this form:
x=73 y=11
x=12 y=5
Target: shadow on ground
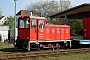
x=11 y=50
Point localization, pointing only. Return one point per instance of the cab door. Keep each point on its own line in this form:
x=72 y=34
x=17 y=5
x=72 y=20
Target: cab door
x=41 y=30
x=33 y=30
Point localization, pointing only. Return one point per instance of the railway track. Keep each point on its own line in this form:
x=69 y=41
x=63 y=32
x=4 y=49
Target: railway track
x=36 y=54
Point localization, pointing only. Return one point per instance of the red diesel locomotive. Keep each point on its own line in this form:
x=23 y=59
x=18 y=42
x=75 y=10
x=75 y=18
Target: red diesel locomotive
x=34 y=33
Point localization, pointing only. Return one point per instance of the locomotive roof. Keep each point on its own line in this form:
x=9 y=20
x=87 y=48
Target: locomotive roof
x=36 y=17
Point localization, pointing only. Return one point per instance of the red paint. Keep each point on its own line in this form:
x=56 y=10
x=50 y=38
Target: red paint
x=23 y=33
x=86 y=28
x=47 y=34
x=57 y=33
x=50 y=32
x=41 y=30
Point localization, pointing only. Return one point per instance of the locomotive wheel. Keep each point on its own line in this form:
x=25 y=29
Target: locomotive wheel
x=57 y=45
x=49 y=45
x=41 y=45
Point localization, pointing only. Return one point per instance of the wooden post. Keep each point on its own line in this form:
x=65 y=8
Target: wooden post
x=28 y=45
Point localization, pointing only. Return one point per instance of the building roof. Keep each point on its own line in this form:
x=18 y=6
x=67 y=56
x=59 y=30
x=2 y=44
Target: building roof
x=23 y=12
x=26 y=12
x=77 y=12
x=1 y=17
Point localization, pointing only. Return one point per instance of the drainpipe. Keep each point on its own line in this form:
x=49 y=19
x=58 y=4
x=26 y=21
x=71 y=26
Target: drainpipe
x=65 y=21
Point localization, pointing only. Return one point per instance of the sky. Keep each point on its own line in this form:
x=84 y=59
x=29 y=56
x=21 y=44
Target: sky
x=7 y=6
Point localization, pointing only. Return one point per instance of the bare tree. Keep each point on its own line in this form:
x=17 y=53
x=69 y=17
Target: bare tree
x=0 y=12
x=45 y=8
x=64 y=4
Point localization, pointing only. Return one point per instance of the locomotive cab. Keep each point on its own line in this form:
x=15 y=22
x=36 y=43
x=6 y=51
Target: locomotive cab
x=30 y=29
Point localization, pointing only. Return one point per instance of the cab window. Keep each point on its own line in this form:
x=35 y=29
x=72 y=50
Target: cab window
x=24 y=23
x=33 y=23
x=41 y=24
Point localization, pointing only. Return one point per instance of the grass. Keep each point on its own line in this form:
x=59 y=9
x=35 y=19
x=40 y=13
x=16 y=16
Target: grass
x=85 y=56
x=5 y=47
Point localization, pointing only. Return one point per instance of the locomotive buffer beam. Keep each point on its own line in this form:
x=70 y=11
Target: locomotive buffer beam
x=52 y=46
